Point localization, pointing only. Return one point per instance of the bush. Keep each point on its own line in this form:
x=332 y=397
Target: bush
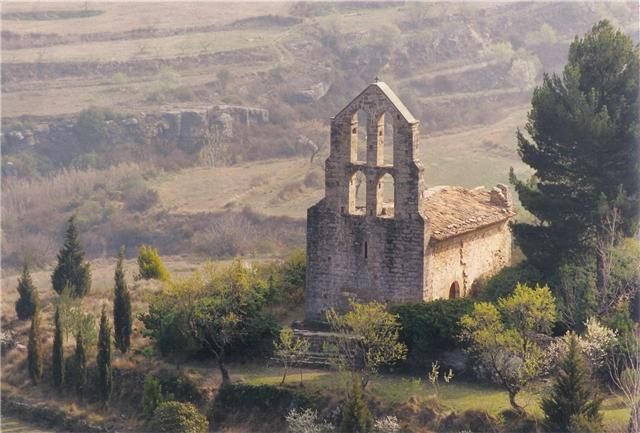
x=173 y=416
x=151 y=395
x=429 y=327
x=150 y=265
x=503 y=283
x=266 y=399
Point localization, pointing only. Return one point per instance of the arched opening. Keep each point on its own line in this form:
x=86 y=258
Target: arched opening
x=358 y=194
x=386 y=140
x=454 y=290
x=386 y=196
x=359 y=137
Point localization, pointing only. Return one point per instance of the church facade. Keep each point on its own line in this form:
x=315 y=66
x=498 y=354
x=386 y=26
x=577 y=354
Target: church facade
x=378 y=234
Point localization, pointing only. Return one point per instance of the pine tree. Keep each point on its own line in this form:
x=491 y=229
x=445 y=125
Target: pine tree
x=580 y=141
x=80 y=365
x=57 y=361
x=34 y=354
x=26 y=304
x=71 y=269
x=572 y=398
x=121 y=308
x=103 y=360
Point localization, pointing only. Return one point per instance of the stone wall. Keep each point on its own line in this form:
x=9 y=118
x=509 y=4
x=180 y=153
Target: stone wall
x=465 y=258
x=356 y=253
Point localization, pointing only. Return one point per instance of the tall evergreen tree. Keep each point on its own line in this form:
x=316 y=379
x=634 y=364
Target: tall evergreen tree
x=573 y=399
x=26 y=304
x=581 y=141
x=71 y=269
x=57 y=359
x=103 y=360
x=80 y=365
x=121 y=308
x=34 y=348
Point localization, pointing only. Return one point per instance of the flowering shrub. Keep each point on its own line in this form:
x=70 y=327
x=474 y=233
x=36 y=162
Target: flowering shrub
x=388 y=424
x=595 y=345
x=306 y=421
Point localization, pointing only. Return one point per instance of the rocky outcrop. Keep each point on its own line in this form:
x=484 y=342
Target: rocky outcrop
x=188 y=130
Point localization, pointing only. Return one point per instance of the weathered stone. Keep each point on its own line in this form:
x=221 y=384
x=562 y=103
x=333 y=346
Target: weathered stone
x=411 y=250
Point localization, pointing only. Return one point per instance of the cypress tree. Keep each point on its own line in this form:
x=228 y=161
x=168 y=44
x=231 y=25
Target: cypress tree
x=80 y=364
x=34 y=348
x=356 y=417
x=103 y=360
x=26 y=304
x=71 y=269
x=573 y=399
x=121 y=308
x=581 y=142
x=57 y=361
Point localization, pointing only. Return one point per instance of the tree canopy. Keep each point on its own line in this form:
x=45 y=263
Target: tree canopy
x=71 y=270
x=580 y=140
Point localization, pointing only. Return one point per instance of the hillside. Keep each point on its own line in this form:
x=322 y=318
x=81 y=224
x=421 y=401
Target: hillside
x=466 y=71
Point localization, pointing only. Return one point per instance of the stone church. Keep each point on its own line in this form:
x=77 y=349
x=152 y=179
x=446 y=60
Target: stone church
x=378 y=234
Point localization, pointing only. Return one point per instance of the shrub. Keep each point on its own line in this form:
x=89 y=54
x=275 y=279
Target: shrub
x=433 y=326
x=503 y=283
x=150 y=265
x=356 y=416
x=26 y=304
x=173 y=416
x=267 y=399
x=306 y=421
x=151 y=395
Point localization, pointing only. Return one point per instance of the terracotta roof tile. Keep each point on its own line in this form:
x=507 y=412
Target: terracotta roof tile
x=453 y=210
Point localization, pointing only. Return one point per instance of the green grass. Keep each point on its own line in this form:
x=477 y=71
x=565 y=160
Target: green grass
x=395 y=390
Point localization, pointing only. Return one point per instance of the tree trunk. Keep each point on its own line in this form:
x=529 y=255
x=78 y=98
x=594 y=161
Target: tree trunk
x=284 y=376
x=602 y=279
x=635 y=307
x=514 y=405
x=223 y=371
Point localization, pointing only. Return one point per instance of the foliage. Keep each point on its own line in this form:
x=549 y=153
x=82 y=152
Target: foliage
x=174 y=416
x=217 y=310
x=80 y=367
x=290 y=349
x=595 y=345
x=572 y=393
x=503 y=337
x=150 y=264
x=57 y=361
x=503 y=283
x=122 y=320
x=151 y=395
x=71 y=269
x=434 y=326
x=224 y=313
x=624 y=370
x=34 y=349
x=266 y=398
x=434 y=377
x=581 y=143
x=26 y=304
x=388 y=424
x=288 y=278
x=74 y=320
x=103 y=361
x=165 y=323
x=367 y=339
x=356 y=416
x=90 y=129
x=307 y=421
x=575 y=288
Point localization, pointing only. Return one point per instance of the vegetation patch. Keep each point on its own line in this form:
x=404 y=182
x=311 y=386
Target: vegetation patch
x=50 y=15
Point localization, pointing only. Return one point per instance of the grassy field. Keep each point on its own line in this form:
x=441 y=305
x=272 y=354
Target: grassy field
x=395 y=390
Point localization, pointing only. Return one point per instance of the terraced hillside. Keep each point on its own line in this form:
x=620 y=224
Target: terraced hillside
x=465 y=70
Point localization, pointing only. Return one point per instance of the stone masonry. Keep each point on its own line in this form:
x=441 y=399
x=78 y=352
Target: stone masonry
x=413 y=248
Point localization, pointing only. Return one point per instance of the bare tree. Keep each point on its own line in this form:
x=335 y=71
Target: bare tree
x=624 y=369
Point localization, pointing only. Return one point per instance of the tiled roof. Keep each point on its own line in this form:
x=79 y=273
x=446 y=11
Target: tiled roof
x=453 y=210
